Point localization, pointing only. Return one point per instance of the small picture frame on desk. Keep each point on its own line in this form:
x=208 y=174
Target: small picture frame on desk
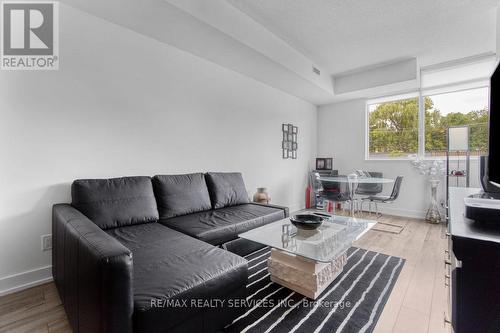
x=324 y=163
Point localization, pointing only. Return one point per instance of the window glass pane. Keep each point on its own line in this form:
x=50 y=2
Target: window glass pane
x=468 y=107
x=393 y=128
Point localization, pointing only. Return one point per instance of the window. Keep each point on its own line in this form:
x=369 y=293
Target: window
x=454 y=93
x=394 y=131
x=467 y=107
x=393 y=128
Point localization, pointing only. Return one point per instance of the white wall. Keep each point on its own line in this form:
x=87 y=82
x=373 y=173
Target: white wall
x=399 y=72
x=123 y=104
x=341 y=134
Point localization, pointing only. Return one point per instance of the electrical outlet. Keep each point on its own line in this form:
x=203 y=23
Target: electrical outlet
x=46 y=242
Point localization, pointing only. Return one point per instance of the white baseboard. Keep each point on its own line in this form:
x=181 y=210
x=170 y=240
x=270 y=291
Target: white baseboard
x=24 y=280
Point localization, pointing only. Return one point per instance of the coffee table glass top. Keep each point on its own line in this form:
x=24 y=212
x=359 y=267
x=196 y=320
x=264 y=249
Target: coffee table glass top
x=324 y=244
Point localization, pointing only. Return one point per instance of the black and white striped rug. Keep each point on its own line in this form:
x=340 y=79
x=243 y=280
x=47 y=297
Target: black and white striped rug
x=352 y=303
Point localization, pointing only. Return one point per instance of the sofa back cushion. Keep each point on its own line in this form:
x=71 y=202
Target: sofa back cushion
x=226 y=189
x=181 y=194
x=115 y=202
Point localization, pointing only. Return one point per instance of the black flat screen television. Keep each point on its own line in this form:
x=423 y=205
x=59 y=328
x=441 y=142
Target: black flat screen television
x=493 y=170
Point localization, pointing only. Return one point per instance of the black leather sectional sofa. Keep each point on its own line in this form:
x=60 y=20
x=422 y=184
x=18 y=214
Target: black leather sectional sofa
x=142 y=254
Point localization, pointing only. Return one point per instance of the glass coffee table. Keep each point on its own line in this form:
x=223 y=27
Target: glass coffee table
x=308 y=261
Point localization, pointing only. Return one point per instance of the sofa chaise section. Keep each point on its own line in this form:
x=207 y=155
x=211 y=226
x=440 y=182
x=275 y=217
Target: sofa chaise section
x=93 y=273
x=111 y=257
x=172 y=272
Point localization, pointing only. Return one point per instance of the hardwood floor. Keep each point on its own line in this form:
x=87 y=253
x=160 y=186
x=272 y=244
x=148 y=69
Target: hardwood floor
x=37 y=309
x=417 y=302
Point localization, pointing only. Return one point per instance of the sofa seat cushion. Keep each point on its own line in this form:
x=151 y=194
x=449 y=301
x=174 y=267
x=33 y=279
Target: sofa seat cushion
x=174 y=268
x=222 y=225
x=226 y=189
x=181 y=194
x=115 y=202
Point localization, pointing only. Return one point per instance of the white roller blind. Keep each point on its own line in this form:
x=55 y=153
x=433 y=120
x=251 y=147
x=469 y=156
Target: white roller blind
x=476 y=71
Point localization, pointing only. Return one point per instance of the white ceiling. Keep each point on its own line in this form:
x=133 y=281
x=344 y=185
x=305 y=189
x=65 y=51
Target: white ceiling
x=345 y=35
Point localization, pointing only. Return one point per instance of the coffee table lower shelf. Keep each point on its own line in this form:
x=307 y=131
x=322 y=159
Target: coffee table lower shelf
x=302 y=275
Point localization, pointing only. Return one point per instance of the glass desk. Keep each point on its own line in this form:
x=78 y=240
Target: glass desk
x=364 y=180
x=307 y=261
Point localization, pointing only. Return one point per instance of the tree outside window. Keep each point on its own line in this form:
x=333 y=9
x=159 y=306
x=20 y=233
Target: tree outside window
x=467 y=107
x=393 y=128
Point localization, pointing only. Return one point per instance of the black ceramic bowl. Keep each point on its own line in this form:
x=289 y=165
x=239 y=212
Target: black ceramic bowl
x=306 y=221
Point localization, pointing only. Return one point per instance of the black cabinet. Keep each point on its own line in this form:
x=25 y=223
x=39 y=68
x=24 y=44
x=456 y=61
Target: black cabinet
x=474 y=264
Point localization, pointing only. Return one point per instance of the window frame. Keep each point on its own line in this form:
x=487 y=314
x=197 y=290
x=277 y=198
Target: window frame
x=420 y=94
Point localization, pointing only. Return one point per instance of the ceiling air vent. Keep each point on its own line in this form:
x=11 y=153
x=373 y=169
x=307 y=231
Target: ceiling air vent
x=316 y=71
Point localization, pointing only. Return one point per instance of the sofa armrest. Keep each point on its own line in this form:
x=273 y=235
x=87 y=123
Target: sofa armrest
x=92 y=272
x=284 y=208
